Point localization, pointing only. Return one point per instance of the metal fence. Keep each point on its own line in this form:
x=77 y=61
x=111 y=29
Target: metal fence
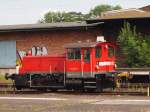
x=133 y=88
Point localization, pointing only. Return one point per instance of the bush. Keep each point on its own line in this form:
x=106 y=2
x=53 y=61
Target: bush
x=134 y=46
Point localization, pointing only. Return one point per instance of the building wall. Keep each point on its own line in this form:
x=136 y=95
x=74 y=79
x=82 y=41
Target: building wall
x=54 y=41
x=3 y=71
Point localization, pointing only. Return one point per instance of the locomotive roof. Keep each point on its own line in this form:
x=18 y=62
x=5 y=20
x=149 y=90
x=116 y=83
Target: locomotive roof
x=82 y=44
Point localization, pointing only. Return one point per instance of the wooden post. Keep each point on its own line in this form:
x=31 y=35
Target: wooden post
x=148 y=90
x=13 y=86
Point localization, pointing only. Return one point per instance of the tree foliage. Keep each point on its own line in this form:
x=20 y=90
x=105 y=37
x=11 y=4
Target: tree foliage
x=134 y=46
x=51 y=17
x=96 y=12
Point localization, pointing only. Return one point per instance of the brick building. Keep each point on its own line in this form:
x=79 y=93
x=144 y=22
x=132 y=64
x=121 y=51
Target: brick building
x=53 y=37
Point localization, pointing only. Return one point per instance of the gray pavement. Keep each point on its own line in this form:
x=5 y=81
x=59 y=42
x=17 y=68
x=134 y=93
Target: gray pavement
x=59 y=102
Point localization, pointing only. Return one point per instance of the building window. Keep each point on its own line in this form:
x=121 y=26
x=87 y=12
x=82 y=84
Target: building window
x=111 y=51
x=98 y=52
x=74 y=53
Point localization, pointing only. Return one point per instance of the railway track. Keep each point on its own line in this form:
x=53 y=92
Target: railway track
x=9 y=89
x=2 y=85
x=29 y=92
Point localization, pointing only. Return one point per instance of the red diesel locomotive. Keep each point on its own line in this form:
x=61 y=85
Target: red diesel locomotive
x=86 y=66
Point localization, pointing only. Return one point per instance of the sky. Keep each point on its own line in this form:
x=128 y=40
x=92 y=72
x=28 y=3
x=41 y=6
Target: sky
x=30 y=11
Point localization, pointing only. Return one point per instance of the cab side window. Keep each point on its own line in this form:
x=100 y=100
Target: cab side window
x=74 y=53
x=87 y=55
x=77 y=53
x=111 y=52
x=70 y=54
x=98 y=52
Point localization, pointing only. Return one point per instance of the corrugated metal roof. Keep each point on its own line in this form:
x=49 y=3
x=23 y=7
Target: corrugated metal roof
x=24 y=27
x=123 y=14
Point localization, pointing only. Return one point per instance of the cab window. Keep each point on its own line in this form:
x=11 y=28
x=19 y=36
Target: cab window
x=111 y=51
x=86 y=55
x=98 y=52
x=74 y=53
x=77 y=54
x=70 y=54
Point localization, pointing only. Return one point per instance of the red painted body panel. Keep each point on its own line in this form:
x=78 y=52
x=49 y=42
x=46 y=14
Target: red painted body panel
x=42 y=64
x=105 y=63
x=96 y=65
x=60 y=64
x=73 y=66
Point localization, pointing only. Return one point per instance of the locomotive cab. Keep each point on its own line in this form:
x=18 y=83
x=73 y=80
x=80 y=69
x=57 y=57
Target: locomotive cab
x=85 y=60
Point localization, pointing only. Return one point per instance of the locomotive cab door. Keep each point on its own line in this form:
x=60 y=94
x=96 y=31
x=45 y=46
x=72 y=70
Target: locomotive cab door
x=73 y=65
x=87 y=63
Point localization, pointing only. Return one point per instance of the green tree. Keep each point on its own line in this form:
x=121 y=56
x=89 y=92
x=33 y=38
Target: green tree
x=96 y=12
x=51 y=17
x=134 y=47
x=117 y=7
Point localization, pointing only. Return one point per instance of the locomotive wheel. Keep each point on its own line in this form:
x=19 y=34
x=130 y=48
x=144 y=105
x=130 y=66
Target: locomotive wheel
x=100 y=90
x=99 y=86
x=18 y=87
x=20 y=82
